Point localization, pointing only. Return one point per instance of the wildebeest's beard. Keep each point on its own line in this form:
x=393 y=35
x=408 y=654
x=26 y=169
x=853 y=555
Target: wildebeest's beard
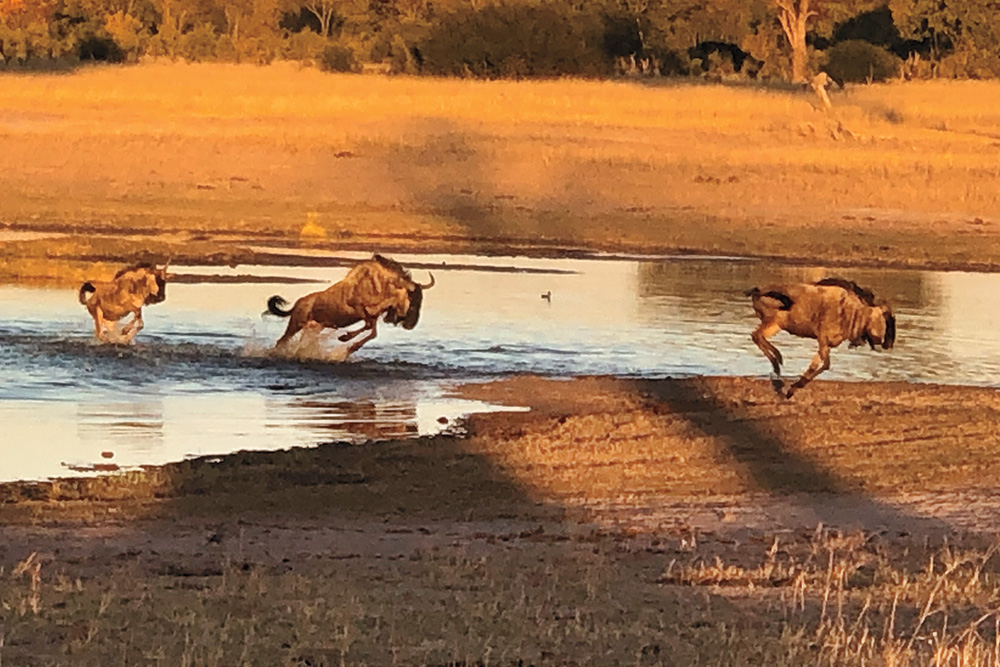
x=888 y=337
x=413 y=312
x=890 y=330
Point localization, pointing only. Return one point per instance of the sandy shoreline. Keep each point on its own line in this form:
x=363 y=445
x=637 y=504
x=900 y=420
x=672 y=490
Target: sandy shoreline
x=601 y=441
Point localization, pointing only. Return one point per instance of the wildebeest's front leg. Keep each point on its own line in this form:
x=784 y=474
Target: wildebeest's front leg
x=760 y=336
x=820 y=363
x=379 y=308
x=348 y=335
x=104 y=327
x=355 y=346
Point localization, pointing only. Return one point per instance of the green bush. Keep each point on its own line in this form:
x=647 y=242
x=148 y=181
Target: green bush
x=305 y=45
x=857 y=60
x=338 y=58
x=970 y=63
x=199 y=44
x=516 y=40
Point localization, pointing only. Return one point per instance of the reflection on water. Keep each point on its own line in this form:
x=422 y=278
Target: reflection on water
x=201 y=380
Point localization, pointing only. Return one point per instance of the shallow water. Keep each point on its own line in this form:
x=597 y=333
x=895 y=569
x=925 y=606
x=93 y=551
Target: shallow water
x=201 y=379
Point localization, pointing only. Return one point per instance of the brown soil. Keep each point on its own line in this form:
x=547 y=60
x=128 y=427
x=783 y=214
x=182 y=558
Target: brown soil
x=641 y=475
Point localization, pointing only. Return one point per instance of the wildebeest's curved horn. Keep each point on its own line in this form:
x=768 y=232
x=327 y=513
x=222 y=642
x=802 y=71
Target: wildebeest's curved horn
x=428 y=285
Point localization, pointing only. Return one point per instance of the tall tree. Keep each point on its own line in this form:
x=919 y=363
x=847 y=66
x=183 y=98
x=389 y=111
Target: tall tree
x=798 y=18
x=21 y=13
x=949 y=24
x=324 y=11
x=794 y=16
x=24 y=29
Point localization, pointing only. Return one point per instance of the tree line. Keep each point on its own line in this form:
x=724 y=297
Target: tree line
x=852 y=40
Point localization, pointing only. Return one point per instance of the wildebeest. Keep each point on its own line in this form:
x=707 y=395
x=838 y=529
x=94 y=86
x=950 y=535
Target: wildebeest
x=373 y=288
x=132 y=288
x=831 y=311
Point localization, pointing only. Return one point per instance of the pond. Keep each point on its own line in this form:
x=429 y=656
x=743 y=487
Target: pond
x=202 y=379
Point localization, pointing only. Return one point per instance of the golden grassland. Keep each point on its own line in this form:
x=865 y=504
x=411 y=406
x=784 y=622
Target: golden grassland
x=898 y=173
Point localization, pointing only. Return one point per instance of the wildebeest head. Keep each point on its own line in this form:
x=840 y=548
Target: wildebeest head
x=147 y=280
x=407 y=310
x=881 y=329
x=156 y=285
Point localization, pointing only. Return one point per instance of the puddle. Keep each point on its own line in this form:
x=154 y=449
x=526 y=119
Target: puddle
x=201 y=381
x=19 y=235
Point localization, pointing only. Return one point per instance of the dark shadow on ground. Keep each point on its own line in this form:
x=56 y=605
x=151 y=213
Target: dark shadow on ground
x=776 y=463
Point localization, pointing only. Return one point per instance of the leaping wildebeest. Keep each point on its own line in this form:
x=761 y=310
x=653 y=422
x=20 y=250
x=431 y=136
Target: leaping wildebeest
x=110 y=300
x=373 y=288
x=831 y=311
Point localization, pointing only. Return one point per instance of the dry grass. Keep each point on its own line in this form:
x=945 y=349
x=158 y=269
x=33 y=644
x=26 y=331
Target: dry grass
x=857 y=599
x=382 y=161
x=826 y=599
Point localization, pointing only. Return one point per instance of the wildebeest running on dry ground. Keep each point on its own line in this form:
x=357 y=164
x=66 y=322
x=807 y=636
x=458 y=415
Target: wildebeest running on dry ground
x=110 y=300
x=373 y=288
x=831 y=311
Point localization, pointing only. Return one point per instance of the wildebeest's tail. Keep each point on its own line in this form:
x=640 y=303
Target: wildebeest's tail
x=85 y=289
x=786 y=301
x=274 y=305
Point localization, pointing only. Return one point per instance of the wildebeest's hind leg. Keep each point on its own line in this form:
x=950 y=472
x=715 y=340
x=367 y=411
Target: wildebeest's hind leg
x=355 y=346
x=295 y=324
x=820 y=363
x=760 y=336
x=98 y=323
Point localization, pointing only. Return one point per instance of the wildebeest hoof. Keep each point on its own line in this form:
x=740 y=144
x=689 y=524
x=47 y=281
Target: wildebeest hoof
x=779 y=385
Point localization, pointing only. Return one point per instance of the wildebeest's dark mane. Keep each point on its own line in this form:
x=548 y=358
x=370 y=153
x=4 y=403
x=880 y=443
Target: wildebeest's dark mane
x=135 y=267
x=392 y=265
x=865 y=295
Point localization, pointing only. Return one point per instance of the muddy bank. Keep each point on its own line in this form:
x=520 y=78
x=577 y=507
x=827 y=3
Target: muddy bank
x=604 y=445
x=642 y=522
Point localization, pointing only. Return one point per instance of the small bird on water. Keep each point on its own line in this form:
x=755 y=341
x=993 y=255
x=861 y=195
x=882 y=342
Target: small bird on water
x=548 y=296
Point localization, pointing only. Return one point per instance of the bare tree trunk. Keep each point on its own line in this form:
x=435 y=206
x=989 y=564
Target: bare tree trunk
x=233 y=19
x=794 y=16
x=323 y=11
